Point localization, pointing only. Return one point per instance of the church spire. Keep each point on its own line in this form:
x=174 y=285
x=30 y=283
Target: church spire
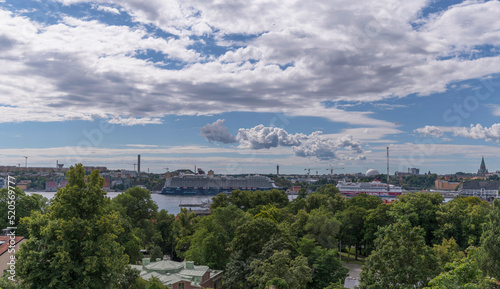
x=482 y=169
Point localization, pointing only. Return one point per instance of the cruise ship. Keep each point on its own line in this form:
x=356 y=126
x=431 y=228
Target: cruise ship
x=209 y=184
x=375 y=188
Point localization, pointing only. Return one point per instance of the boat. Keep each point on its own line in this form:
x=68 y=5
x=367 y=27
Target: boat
x=209 y=184
x=375 y=188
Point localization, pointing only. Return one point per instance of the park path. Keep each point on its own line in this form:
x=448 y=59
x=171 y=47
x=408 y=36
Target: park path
x=353 y=280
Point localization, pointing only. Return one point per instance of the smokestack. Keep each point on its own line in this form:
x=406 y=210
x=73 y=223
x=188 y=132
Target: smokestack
x=278 y=171
x=388 y=188
x=139 y=164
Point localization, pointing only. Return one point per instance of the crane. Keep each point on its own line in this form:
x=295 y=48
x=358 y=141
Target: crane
x=309 y=173
x=133 y=164
x=331 y=171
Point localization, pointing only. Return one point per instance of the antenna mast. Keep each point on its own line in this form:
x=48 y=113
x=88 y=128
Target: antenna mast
x=388 y=189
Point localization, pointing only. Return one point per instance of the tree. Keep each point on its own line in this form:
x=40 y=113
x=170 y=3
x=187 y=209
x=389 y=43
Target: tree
x=364 y=201
x=374 y=219
x=327 y=269
x=324 y=228
x=464 y=273
x=352 y=228
x=156 y=253
x=462 y=219
x=447 y=252
x=137 y=204
x=489 y=252
x=401 y=259
x=295 y=272
x=24 y=206
x=420 y=210
x=74 y=244
x=253 y=235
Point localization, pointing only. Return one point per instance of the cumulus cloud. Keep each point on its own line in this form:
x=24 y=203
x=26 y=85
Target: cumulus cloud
x=261 y=137
x=326 y=149
x=429 y=130
x=314 y=145
x=253 y=56
x=218 y=132
x=479 y=132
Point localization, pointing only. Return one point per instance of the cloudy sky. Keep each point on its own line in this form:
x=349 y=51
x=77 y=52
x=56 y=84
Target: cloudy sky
x=241 y=86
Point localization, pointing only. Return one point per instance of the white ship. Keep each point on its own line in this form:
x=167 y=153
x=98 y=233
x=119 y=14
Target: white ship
x=375 y=188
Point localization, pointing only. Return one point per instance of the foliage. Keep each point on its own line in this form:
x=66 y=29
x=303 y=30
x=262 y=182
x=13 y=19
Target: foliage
x=156 y=254
x=401 y=259
x=327 y=268
x=74 y=244
x=253 y=235
x=420 y=210
x=489 y=252
x=278 y=283
x=462 y=219
x=212 y=237
x=24 y=206
x=364 y=201
x=374 y=219
x=295 y=272
x=323 y=227
x=447 y=252
x=464 y=273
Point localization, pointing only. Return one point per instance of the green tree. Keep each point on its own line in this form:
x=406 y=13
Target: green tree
x=137 y=204
x=462 y=219
x=420 y=210
x=327 y=269
x=352 y=228
x=464 y=273
x=401 y=259
x=212 y=237
x=295 y=272
x=74 y=244
x=447 y=252
x=156 y=254
x=324 y=228
x=253 y=235
x=374 y=219
x=165 y=226
x=24 y=206
x=364 y=201
x=489 y=252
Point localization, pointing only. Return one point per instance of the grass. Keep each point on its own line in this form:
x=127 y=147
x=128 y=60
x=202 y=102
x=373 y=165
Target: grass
x=360 y=261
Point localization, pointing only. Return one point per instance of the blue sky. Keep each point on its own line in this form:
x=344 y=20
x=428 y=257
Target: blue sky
x=241 y=87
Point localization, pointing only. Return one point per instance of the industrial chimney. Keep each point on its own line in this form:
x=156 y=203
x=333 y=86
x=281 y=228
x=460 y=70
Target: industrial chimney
x=278 y=171
x=139 y=164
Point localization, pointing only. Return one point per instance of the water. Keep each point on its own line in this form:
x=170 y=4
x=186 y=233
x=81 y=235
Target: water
x=164 y=202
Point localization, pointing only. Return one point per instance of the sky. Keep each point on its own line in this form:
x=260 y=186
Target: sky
x=243 y=86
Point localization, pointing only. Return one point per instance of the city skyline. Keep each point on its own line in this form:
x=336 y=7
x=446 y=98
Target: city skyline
x=243 y=87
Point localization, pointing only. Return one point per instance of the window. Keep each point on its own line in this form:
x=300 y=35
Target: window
x=181 y=285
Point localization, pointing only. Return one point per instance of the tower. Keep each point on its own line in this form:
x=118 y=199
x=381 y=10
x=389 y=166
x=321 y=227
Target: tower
x=139 y=164
x=277 y=171
x=482 y=168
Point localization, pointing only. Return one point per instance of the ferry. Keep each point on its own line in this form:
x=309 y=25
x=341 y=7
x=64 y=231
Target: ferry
x=375 y=188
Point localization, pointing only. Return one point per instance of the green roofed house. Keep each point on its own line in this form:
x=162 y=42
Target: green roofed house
x=180 y=275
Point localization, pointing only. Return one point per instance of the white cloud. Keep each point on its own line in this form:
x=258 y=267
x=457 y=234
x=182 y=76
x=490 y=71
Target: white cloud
x=327 y=149
x=341 y=50
x=108 y=9
x=323 y=147
x=479 y=132
x=260 y=137
x=135 y=121
x=218 y=132
x=429 y=130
